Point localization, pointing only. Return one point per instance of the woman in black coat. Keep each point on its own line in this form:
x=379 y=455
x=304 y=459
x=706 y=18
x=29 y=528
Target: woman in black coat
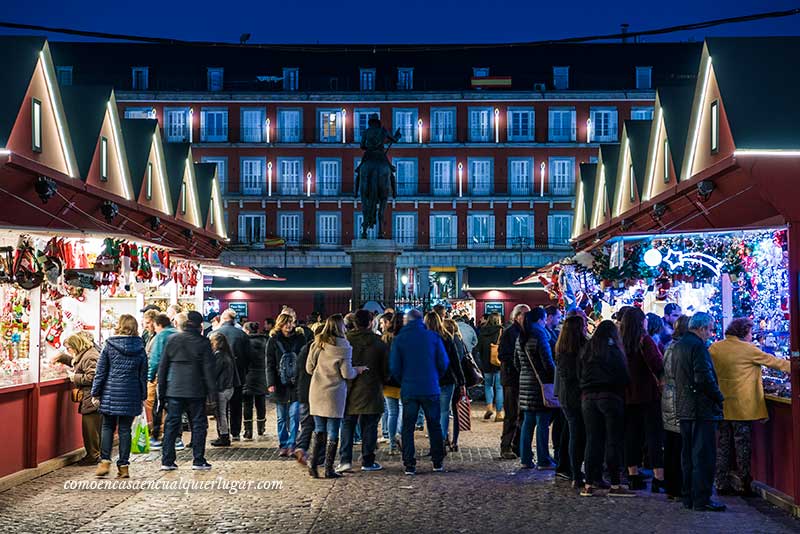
x=453 y=379
x=254 y=390
x=284 y=340
x=490 y=334
x=570 y=344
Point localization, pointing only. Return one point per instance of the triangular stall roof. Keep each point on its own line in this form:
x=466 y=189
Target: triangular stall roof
x=605 y=184
x=209 y=198
x=145 y=158
x=180 y=169
x=585 y=198
x=633 y=156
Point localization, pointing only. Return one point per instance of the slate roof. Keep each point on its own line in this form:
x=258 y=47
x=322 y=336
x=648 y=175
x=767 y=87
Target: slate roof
x=609 y=154
x=85 y=108
x=758 y=78
x=138 y=136
x=175 y=155
x=325 y=68
x=204 y=176
x=20 y=55
x=588 y=178
x=676 y=105
x=639 y=142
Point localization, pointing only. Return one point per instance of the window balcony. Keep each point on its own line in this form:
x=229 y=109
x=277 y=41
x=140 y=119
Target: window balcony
x=561 y=135
x=213 y=135
x=252 y=135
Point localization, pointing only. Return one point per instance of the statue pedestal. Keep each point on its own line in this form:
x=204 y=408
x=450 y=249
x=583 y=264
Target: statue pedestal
x=374 y=271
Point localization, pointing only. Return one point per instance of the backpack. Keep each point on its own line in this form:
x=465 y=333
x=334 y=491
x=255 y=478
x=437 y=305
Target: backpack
x=287 y=366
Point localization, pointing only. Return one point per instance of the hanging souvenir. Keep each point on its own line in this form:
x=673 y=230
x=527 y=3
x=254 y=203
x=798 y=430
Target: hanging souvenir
x=26 y=269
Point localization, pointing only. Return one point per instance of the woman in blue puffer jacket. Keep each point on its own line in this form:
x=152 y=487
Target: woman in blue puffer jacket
x=121 y=385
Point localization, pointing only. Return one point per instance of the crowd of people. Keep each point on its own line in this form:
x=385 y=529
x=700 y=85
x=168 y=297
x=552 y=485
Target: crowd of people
x=643 y=393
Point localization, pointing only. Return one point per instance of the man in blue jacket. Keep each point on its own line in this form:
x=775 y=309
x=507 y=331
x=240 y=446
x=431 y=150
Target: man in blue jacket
x=163 y=329
x=417 y=361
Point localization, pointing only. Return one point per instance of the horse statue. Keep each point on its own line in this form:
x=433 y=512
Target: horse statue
x=375 y=178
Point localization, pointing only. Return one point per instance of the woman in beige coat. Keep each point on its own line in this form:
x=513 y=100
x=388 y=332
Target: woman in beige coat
x=330 y=365
x=738 y=365
x=82 y=356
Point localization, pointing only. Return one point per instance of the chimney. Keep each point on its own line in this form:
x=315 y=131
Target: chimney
x=624 y=29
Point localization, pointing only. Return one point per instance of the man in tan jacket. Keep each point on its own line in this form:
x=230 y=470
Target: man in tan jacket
x=738 y=365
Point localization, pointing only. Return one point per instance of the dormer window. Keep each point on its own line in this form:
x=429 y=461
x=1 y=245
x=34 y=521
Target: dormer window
x=103 y=159
x=36 y=125
x=215 y=78
x=139 y=78
x=183 y=198
x=480 y=72
x=405 y=79
x=148 y=192
x=291 y=78
x=64 y=75
x=367 y=80
x=561 y=77
x=644 y=77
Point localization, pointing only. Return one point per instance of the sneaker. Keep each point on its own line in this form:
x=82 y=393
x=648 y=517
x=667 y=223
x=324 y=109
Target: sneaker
x=419 y=428
x=356 y=442
x=411 y=471
x=587 y=491
x=236 y=438
x=438 y=468
x=620 y=491
x=545 y=467
x=179 y=446
x=344 y=468
x=527 y=466
x=563 y=475
x=155 y=444
x=383 y=439
x=222 y=441
x=283 y=453
x=171 y=467
x=205 y=466
x=508 y=455
x=374 y=467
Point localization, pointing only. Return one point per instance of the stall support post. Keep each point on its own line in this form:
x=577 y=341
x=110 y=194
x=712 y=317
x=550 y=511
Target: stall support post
x=794 y=329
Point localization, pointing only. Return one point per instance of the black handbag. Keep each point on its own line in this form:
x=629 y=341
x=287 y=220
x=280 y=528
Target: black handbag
x=472 y=373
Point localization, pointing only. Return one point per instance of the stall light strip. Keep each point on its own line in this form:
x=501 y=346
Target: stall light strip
x=696 y=129
x=5 y=152
x=766 y=152
x=621 y=172
x=515 y=288
x=580 y=212
x=56 y=112
x=599 y=196
x=244 y=289
x=165 y=207
x=653 y=153
x=121 y=167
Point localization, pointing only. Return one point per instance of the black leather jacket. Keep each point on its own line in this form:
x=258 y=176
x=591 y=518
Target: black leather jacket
x=697 y=394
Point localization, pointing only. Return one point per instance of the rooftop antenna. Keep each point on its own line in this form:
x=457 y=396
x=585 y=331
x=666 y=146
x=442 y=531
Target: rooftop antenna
x=244 y=38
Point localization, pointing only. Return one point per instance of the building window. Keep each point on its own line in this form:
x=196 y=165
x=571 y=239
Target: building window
x=519 y=230
x=644 y=76
x=36 y=125
x=291 y=79
x=140 y=113
x=361 y=121
x=64 y=75
x=405 y=79
x=290 y=176
x=442 y=176
x=480 y=231
x=645 y=113
x=140 y=77
x=367 y=77
x=443 y=231
x=559 y=229
x=443 y=125
x=715 y=126
x=290 y=227
x=215 y=78
x=329 y=176
x=252 y=176
x=148 y=189
x=592 y=159
x=561 y=77
x=480 y=72
x=253 y=125
x=562 y=124
x=480 y=124
x=103 y=159
x=372 y=233
x=406 y=176
x=405 y=229
x=604 y=124
x=480 y=176
x=328 y=229
x=176 y=124
x=330 y=125
x=520 y=124
x=222 y=170
x=289 y=121
x=405 y=120
x=520 y=181
x=214 y=125
x=252 y=228
x=562 y=176
x=666 y=161
x=184 y=194
x=632 y=184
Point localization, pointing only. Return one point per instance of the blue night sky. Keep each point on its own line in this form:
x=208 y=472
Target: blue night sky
x=412 y=21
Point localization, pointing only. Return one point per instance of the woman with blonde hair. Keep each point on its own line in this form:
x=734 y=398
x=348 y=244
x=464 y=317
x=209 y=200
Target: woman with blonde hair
x=454 y=376
x=120 y=383
x=285 y=343
x=490 y=335
x=81 y=355
x=391 y=391
x=461 y=350
x=330 y=366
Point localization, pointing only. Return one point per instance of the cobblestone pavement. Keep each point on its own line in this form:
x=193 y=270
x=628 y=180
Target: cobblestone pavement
x=479 y=493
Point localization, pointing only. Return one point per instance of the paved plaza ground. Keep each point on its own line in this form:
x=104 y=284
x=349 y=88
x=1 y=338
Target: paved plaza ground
x=478 y=493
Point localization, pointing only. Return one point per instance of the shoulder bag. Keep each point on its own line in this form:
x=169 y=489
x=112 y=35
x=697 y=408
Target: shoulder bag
x=549 y=396
x=494 y=351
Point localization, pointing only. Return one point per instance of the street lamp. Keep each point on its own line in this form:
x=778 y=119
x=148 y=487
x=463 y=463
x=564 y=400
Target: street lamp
x=541 y=180
x=269 y=174
x=589 y=130
x=460 y=179
x=267 y=130
x=191 y=123
x=344 y=123
x=419 y=130
x=308 y=183
x=496 y=125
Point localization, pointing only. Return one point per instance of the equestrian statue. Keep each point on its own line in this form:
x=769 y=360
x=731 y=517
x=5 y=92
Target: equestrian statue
x=375 y=175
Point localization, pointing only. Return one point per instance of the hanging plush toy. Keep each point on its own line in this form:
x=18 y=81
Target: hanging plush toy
x=144 y=273
x=125 y=261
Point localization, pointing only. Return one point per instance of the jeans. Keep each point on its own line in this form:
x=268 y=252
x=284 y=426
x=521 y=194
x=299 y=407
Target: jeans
x=445 y=398
x=577 y=441
x=260 y=402
x=172 y=430
x=392 y=418
x=644 y=421
x=306 y=428
x=223 y=398
x=328 y=424
x=236 y=411
x=288 y=415
x=561 y=442
x=493 y=390
x=121 y=423
x=539 y=420
x=673 y=477
x=698 y=456
x=510 y=439
x=385 y=420
x=603 y=415
x=430 y=407
x=369 y=438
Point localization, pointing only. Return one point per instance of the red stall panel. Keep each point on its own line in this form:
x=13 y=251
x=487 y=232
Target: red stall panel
x=15 y=405
x=59 y=422
x=773 y=458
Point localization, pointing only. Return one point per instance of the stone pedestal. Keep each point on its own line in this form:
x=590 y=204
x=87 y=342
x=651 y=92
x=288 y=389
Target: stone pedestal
x=374 y=271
